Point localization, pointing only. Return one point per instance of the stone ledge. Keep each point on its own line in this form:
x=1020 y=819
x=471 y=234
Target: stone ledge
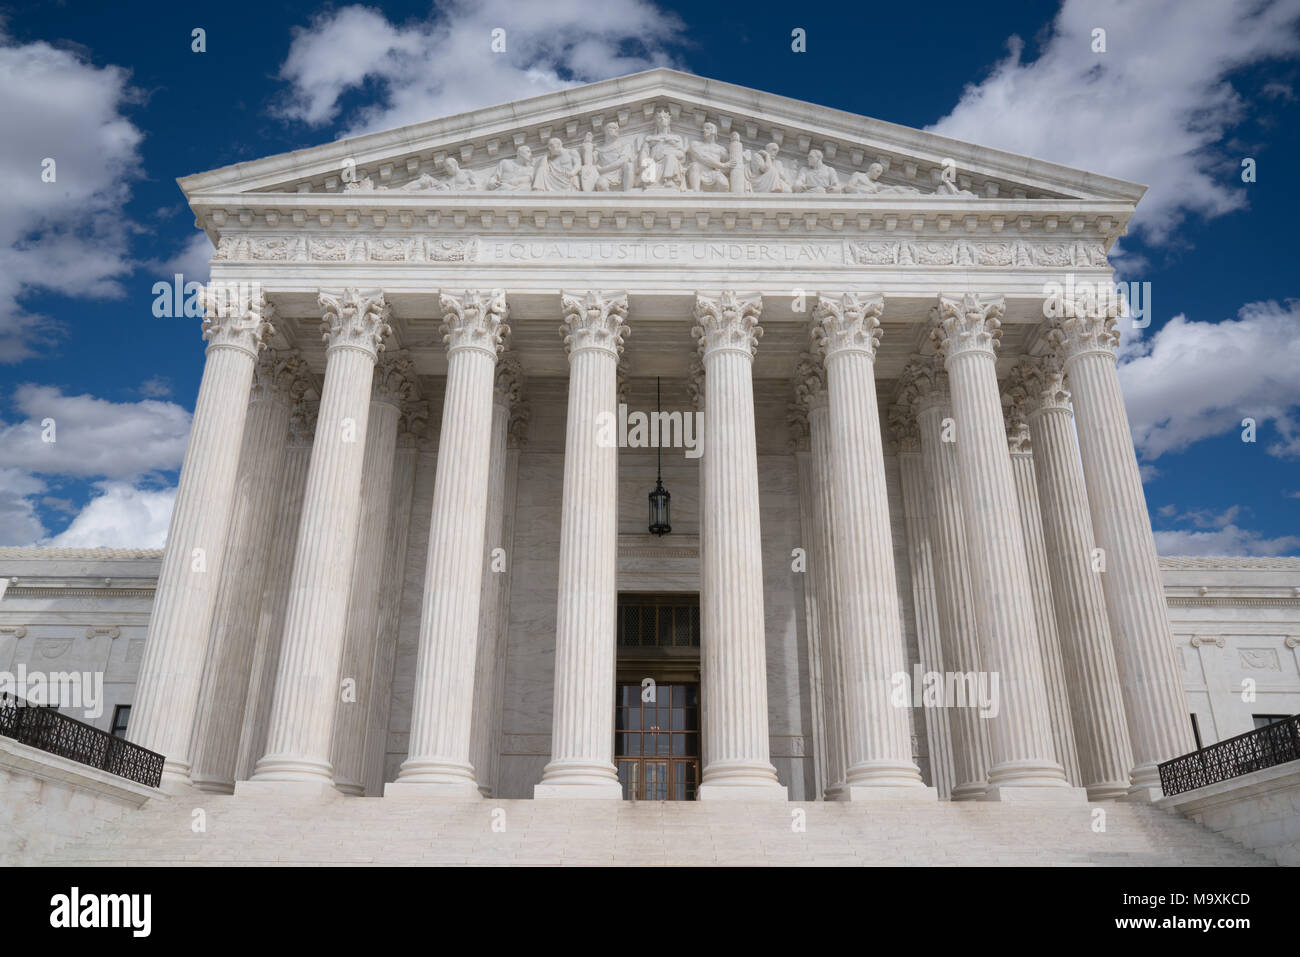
x=1260 y=810
x=25 y=759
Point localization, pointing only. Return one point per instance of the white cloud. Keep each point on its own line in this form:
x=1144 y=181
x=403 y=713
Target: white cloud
x=94 y=438
x=1229 y=540
x=19 y=523
x=1153 y=109
x=67 y=235
x=1192 y=380
x=121 y=516
x=427 y=69
x=156 y=387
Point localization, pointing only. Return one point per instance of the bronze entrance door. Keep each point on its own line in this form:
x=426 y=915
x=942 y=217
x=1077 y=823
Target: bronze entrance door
x=657 y=742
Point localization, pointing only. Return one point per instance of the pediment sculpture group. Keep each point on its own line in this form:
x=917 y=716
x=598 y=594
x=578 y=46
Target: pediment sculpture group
x=660 y=160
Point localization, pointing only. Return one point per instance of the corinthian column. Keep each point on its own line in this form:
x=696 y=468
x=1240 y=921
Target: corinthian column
x=958 y=631
x=274 y=601
x=1154 y=701
x=1020 y=735
x=920 y=553
x=582 y=736
x=878 y=748
x=483 y=742
x=167 y=689
x=1096 y=700
x=438 y=760
x=810 y=394
x=1049 y=642
x=733 y=666
x=394 y=384
x=280 y=380
x=306 y=686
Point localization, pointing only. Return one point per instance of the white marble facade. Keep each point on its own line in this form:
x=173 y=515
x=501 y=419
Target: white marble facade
x=396 y=461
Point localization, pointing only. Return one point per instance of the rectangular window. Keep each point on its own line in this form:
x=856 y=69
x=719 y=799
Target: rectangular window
x=121 y=715
x=1264 y=720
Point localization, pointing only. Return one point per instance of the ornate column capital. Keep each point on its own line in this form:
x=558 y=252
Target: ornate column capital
x=849 y=324
x=1083 y=324
x=1038 y=384
x=929 y=379
x=509 y=391
x=1017 y=423
x=809 y=382
x=236 y=316
x=354 y=319
x=413 y=425
x=695 y=383
x=302 y=423
x=728 y=323
x=969 y=324
x=395 y=381
x=903 y=428
x=594 y=320
x=476 y=320
x=280 y=376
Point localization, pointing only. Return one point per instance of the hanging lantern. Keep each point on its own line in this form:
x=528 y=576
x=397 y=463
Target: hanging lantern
x=660 y=500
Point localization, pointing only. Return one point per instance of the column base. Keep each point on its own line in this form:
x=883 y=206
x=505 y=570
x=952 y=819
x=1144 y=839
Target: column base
x=175 y=776
x=888 y=793
x=1027 y=774
x=885 y=774
x=970 y=791
x=213 y=785
x=350 y=788
x=586 y=792
x=1108 y=791
x=1037 y=795
x=433 y=790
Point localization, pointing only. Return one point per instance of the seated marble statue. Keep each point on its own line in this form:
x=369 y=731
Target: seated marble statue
x=365 y=184
x=615 y=161
x=663 y=155
x=817 y=177
x=557 y=170
x=766 y=174
x=869 y=182
x=948 y=184
x=457 y=179
x=710 y=162
x=514 y=175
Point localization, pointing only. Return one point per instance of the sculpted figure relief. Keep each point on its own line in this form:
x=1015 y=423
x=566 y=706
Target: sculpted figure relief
x=615 y=160
x=869 y=182
x=766 y=174
x=710 y=162
x=557 y=170
x=817 y=177
x=516 y=174
x=457 y=179
x=663 y=156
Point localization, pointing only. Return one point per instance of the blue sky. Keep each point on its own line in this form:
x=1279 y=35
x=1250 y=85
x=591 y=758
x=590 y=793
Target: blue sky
x=1183 y=92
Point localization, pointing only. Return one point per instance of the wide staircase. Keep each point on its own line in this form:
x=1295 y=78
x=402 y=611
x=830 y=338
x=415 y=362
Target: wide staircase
x=279 y=830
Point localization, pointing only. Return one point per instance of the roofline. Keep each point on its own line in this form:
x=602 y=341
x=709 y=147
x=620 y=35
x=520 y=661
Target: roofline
x=658 y=81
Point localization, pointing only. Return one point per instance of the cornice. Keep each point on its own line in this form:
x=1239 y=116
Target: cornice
x=37 y=551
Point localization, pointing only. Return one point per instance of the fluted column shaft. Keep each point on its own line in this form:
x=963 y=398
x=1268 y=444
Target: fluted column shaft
x=582 y=735
x=828 y=619
x=877 y=742
x=1049 y=642
x=1096 y=698
x=394 y=384
x=958 y=630
x=274 y=603
x=307 y=681
x=1020 y=735
x=482 y=743
x=167 y=688
x=920 y=548
x=1154 y=700
x=733 y=666
x=438 y=762
x=234 y=626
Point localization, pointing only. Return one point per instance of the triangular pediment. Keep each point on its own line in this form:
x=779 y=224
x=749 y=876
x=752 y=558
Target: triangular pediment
x=676 y=133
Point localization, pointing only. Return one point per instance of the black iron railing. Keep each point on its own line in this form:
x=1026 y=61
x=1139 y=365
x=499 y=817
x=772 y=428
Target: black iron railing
x=47 y=729
x=1273 y=744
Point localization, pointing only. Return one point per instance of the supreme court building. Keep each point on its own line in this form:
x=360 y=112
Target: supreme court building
x=408 y=559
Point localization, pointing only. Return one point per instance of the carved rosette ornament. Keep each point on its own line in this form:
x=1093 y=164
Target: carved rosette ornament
x=476 y=320
x=1038 y=382
x=353 y=319
x=280 y=376
x=1084 y=325
x=849 y=324
x=728 y=323
x=594 y=320
x=971 y=324
x=395 y=380
x=236 y=316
